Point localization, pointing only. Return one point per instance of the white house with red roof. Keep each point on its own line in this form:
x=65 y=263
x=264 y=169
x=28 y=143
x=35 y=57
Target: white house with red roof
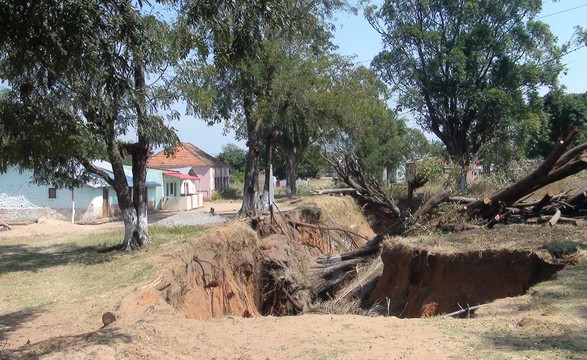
x=210 y=173
x=180 y=191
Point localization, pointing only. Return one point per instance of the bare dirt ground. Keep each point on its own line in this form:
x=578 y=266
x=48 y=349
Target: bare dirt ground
x=54 y=289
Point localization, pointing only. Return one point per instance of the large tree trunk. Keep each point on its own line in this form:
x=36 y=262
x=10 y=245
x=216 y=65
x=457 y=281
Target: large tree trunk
x=291 y=173
x=251 y=200
x=139 y=172
x=140 y=153
x=134 y=237
x=462 y=178
x=131 y=240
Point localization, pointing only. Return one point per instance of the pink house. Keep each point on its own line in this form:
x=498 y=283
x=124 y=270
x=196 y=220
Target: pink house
x=191 y=160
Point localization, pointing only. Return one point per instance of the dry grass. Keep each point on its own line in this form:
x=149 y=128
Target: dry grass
x=340 y=211
x=549 y=322
x=58 y=272
x=509 y=237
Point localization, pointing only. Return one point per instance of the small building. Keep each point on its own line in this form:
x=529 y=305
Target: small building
x=21 y=200
x=181 y=191
x=191 y=160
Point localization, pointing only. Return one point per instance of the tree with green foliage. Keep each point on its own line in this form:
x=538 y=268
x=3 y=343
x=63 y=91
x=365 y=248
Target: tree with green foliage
x=302 y=107
x=465 y=67
x=383 y=144
x=76 y=87
x=241 y=37
x=563 y=112
x=418 y=146
x=233 y=156
x=236 y=158
x=311 y=165
x=365 y=126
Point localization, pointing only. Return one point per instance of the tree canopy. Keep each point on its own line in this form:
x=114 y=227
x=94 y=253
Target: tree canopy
x=243 y=39
x=464 y=67
x=76 y=76
x=365 y=126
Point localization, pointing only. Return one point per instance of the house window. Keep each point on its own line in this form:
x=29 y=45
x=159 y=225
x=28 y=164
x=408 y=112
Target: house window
x=221 y=183
x=52 y=193
x=171 y=189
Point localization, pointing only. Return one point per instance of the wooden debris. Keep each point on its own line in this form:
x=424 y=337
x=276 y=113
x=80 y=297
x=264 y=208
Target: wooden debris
x=560 y=164
x=545 y=200
x=343 y=191
x=554 y=219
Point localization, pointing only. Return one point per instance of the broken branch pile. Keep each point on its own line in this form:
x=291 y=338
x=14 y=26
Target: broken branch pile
x=503 y=206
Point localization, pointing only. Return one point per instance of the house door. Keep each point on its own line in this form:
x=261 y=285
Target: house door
x=105 y=203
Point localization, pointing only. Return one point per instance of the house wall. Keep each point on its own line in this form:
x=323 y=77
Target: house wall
x=27 y=198
x=208 y=179
x=206 y=175
x=155 y=195
x=221 y=173
x=168 y=190
x=188 y=185
x=183 y=203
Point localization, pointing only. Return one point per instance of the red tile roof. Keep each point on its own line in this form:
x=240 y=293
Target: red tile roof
x=186 y=155
x=179 y=175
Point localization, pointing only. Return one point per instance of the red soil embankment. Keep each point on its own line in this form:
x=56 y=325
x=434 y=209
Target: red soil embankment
x=416 y=282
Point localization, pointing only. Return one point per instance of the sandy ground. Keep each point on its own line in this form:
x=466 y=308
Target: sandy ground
x=161 y=333
x=77 y=333
x=46 y=226
x=302 y=337
x=49 y=227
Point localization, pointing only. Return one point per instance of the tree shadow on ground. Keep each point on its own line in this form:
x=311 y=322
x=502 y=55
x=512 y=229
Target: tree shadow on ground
x=13 y=321
x=574 y=342
x=21 y=257
x=62 y=344
x=556 y=318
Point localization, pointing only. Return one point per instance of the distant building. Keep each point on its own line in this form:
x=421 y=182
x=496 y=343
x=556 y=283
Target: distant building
x=192 y=161
x=22 y=200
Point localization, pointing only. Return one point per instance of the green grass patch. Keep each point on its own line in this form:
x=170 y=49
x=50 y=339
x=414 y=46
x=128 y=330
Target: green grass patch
x=56 y=271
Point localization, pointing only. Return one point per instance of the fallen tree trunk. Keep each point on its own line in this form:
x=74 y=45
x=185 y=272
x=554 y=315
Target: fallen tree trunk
x=558 y=165
x=331 y=270
x=348 y=191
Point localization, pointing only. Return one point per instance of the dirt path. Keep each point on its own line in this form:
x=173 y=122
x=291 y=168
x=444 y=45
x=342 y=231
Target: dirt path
x=53 y=227
x=301 y=337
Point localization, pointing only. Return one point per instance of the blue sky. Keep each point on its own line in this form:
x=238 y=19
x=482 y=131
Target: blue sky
x=354 y=36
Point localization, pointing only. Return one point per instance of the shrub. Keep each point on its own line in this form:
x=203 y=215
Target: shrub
x=237 y=177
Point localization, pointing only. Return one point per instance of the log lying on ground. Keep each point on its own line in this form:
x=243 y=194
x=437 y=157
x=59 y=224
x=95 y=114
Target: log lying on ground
x=562 y=219
x=348 y=191
x=578 y=200
x=329 y=271
x=558 y=165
